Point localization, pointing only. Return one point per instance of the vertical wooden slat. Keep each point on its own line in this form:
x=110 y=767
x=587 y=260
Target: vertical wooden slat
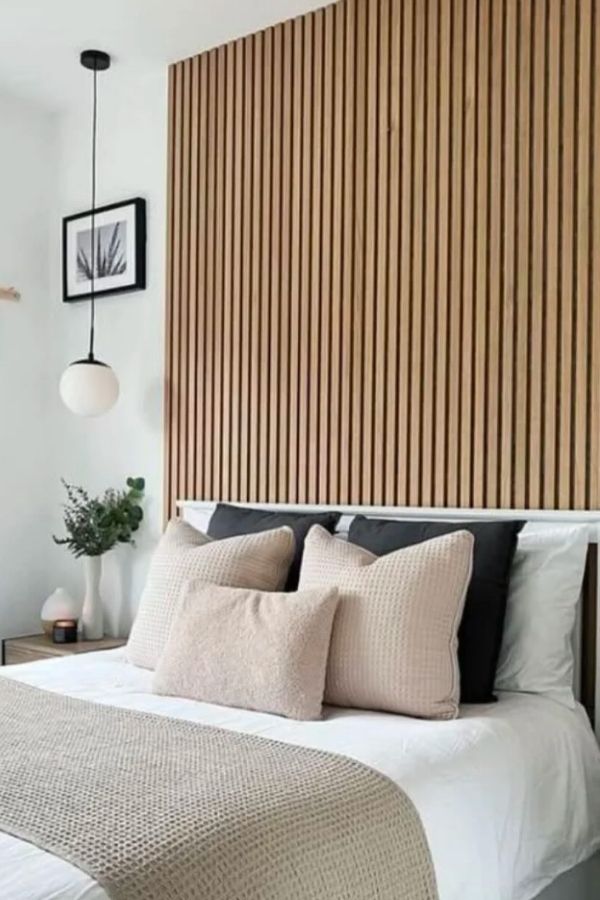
x=443 y=331
x=275 y=260
x=236 y=332
x=522 y=239
x=582 y=256
x=169 y=488
x=295 y=300
x=482 y=224
x=450 y=292
x=256 y=460
x=366 y=236
x=494 y=251
x=184 y=307
x=193 y=293
x=228 y=462
x=201 y=253
x=394 y=350
x=357 y=425
x=467 y=321
x=593 y=391
x=176 y=239
x=552 y=251
x=419 y=93
x=325 y=391
x=276 y=373
x=317 y=374
x=209 y=144
x=429 y=256
x=332 y=487
x=348 y=324
x=383 y=405
x=305 y=478
x=382 y=263
x=265 y=83
x=220 y=450
x=537 y=285
x=565 y=252
x=284 y=297
x=246 y=306
x=509 y=231
x=405 y=201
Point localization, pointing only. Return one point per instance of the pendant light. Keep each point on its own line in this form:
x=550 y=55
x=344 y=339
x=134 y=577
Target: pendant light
x=89 y=387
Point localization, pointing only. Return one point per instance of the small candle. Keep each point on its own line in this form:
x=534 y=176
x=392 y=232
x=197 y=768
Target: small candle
x=64 y=631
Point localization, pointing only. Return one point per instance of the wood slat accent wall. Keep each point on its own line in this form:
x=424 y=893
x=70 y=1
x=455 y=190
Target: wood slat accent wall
x=384 y=258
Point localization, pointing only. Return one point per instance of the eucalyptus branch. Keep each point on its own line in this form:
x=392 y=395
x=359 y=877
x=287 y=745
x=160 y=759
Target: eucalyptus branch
x=95 y=525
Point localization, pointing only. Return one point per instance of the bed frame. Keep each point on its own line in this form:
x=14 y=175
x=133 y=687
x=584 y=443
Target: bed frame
x=198 y=513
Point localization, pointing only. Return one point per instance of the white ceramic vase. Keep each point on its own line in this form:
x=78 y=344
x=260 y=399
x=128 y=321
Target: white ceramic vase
x=92 y=617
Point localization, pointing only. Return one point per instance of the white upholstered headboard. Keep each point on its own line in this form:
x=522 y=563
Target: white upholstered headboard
x=198 y=513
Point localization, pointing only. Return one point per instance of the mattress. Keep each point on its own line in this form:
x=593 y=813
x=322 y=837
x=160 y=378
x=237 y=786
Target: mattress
x=509 y=793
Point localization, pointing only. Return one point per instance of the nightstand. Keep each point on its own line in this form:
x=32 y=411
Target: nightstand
x=39 y=646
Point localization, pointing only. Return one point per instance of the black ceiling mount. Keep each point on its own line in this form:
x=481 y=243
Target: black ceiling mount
x=96 y=60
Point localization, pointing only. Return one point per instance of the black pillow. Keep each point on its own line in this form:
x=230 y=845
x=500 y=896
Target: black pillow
x=480 y=633
x=229 y=521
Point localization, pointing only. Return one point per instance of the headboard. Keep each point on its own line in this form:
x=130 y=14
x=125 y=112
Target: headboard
x=383 y=274
x=198 y=513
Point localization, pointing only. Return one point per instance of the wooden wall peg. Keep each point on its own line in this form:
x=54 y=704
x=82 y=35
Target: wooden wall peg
x=9 y=293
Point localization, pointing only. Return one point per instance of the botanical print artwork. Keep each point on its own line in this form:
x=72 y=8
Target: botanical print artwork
x=119 y=251
x=111 y=252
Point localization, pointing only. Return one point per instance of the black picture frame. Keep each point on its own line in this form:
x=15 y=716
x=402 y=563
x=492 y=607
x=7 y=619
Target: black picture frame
x=135 y=207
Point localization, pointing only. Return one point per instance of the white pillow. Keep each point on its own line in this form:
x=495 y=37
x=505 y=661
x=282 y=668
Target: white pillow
x=545 y=586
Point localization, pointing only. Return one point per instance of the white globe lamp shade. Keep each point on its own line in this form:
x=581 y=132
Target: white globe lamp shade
x=89 y=387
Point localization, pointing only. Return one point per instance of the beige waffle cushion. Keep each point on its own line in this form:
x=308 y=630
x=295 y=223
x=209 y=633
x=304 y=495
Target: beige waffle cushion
x=394 y=641
x=258 y=561
x=259 y=650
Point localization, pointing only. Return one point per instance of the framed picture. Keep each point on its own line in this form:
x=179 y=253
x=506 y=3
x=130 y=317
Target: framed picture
x=120 y=257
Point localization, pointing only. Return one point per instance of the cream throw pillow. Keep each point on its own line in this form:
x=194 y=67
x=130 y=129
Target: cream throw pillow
x=257 y=560
x=394 y=639
x=250 y=649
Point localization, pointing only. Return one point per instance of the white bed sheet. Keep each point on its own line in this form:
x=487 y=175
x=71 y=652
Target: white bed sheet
x=509 y=794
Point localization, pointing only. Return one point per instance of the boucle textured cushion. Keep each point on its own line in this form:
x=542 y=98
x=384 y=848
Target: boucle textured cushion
x=480 y=633
x=394 y=639
x=253 y=560
x=229 y=520
x=251 y=649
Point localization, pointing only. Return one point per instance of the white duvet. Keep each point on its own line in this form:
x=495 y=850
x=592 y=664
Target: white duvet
x=509 y=794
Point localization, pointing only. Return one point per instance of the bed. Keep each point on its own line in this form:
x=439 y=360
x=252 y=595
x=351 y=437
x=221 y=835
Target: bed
x=492 y=788
x=482 y=784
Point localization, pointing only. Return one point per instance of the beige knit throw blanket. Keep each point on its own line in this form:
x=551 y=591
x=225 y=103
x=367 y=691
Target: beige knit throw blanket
x=154 y=808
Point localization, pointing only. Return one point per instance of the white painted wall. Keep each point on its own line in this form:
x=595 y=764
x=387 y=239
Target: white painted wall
x=28 y=165
x=44 y=174
x=102 y=452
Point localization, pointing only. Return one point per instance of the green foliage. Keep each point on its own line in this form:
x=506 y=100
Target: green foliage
x=95 y=525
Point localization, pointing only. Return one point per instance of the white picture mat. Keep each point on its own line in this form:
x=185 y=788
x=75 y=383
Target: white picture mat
x=125 y=213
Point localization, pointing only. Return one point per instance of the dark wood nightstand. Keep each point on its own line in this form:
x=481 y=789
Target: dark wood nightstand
x=39 y=646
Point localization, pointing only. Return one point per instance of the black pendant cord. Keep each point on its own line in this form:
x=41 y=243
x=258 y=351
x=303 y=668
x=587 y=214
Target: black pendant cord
x=93 y=230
